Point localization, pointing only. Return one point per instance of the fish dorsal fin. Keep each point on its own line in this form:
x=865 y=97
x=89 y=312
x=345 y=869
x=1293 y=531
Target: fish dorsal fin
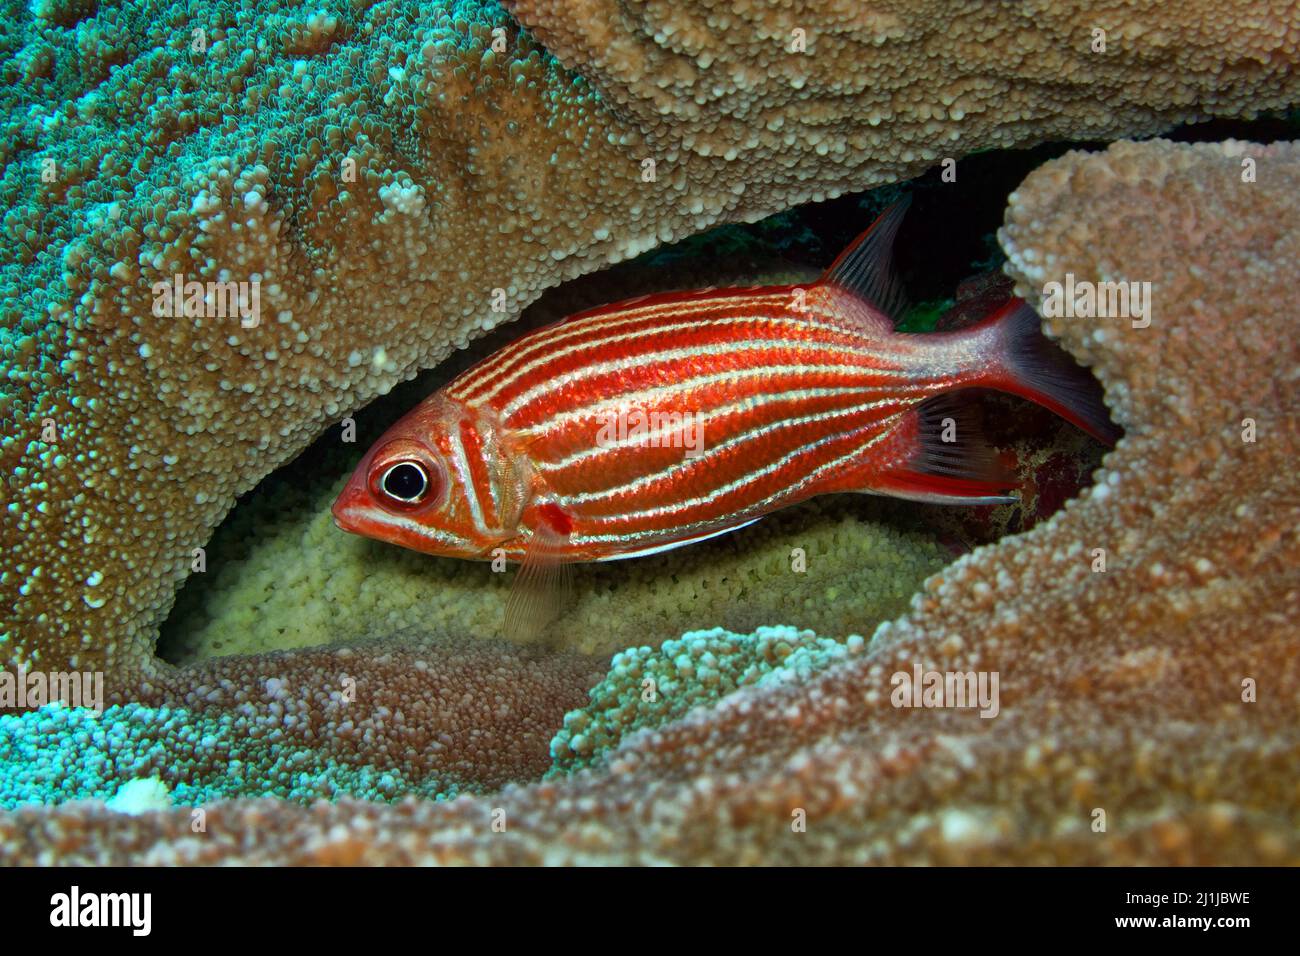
x=866 y=268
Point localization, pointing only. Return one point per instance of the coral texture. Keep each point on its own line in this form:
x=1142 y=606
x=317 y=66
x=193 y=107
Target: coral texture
x=908 y=81
x=858 y=566
x=650 y=687
x=396 y=177
x=378 y=720
x=1147 y=711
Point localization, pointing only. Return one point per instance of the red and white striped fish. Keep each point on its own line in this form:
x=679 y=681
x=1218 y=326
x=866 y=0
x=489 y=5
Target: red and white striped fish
x=664 y=420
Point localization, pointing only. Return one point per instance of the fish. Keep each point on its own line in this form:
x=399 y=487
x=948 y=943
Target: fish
x=664 y=420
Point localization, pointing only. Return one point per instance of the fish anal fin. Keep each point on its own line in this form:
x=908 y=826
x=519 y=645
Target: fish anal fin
x=865 y=269
x=939 y=455
x=940 y=489
x=544 y=580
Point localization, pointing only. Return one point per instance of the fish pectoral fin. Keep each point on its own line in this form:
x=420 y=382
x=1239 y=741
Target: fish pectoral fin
x=516 y=488
x=544 y=581
x=943 y=458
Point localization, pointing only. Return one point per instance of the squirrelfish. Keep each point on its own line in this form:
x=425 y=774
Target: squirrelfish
x=660 y=421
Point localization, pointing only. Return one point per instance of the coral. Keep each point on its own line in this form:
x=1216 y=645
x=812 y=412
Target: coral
x=912 y=81
x=650 y=687
x=1147 y=712
x=339 y=169
x=380 y=169
x=140 y=796
x=380 y=720
x=862 y=566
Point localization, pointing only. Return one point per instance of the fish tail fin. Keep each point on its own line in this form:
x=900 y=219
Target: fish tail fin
x=1034 y=367
x=945 y=458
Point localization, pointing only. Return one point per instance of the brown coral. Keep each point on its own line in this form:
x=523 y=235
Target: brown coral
x=465 y=712
x=826 y=92
x=384 y=170
x=1127 y=691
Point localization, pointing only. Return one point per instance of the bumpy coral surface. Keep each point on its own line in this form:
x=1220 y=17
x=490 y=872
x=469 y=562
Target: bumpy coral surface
x=406 y=715
x=837 y=565
x=1147 y=711
x=393 y=178
x=649 y=687
x=907 y=81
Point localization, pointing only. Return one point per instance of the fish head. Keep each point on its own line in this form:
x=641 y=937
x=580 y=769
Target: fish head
x=432 y=483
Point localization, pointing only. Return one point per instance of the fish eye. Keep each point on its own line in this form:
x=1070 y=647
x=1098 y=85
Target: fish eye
x=406 y=481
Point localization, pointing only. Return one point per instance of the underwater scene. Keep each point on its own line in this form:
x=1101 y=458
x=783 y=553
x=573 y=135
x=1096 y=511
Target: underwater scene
x=631 y=432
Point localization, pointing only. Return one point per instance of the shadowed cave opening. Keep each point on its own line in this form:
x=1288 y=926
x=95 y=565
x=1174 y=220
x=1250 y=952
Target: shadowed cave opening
x=280 y=575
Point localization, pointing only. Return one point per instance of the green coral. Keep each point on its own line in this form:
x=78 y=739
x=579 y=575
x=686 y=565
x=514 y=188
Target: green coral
x=343 y=159
x=282 y=576
x=648 y=687
x=56 y=753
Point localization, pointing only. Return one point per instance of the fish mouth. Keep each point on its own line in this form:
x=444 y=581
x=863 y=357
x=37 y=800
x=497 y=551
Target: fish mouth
x=348 y=511
x=344 y=522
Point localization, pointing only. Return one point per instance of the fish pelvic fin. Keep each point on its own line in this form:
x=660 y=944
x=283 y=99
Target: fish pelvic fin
x=941 y=457
x=544 y=581
x=1029 y=364
x=865 y=269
